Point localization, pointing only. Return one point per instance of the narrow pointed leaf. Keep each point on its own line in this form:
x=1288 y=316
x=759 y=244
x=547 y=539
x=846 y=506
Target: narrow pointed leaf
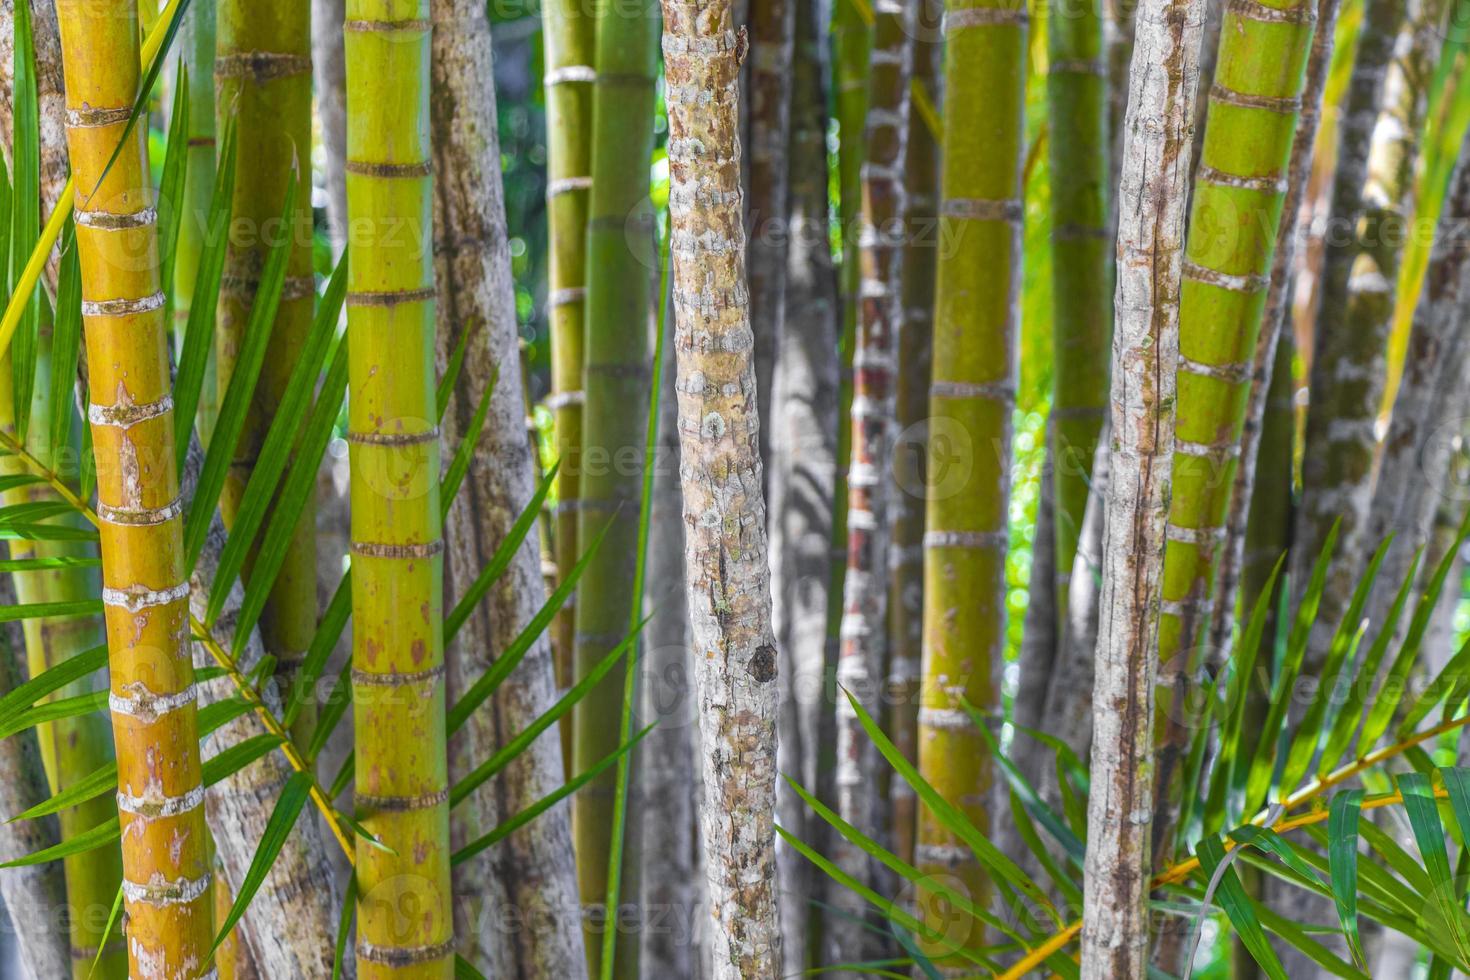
x=66 y=343
x=101 y=780
x=460 y=465
x=75 y=707
x=1239 y=908
x=288 y=808
x=52 y=680
x=235 y=758
x=1423 y=812
x=105 y=833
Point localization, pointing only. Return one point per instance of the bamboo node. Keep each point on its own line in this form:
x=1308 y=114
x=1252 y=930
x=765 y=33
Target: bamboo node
x=1224 y=280
x=391 y=298
x=965 y=539
x=137 y=598
x=1271 y=184
x=1004 y=390
x=386 y=26
x=401 y=804
x=153 y=807
x=124 y=416
x=568 y=74
x=394 y=438
x=1229 y=373
x=1302 y=13
x=566 y=185
x=369 y=679
x=370 y=168
x=1078 y=66
x=158 y=891
x=1285 y=105
x=140 y=516
x=147 y=706
x=1207 y=450
x=949 y=719
x=1195 y=535
x=955 y=20
x=423 y=549
x=245 y=287
x=558 y=400
x=261 y=66
x=982 y=209
x=91 y=117
x=109 y=221
x=401 y=956
x=567 y=296
x=122 y=307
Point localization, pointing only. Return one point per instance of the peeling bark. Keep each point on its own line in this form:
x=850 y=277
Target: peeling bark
x=1152 y=197
x=727 y=567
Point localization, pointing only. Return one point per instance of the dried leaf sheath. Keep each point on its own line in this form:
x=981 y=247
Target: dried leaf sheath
x=165 y=860
x=402 y=781
x=727 y=571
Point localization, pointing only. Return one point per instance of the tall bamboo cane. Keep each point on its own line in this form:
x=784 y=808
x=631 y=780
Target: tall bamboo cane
x=198 y=42
x=264 y=83
x=971 y=397
x=71 y=748
x=165 y=859
x=402 y=783
x=727 y=571
x=570 y=33
x=619 y=273
x=1239 y=187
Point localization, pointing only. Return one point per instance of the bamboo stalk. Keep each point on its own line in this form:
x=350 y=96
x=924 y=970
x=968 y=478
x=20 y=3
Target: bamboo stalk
x=970 y=403
x=727 y=569
x=534 y=870
x=75 y=747
x=1076 y=96
x=401 y=785
x=263 y=71
x=1153 y=191
x=198 y=42
x=1239 y=190
x=570 y=34
x=165 y=861
x=330 y=79
x=873 y=418
x=616 y=380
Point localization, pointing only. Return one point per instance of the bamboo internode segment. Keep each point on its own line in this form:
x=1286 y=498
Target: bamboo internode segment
x=405 y=926
x=1233 y=223
x=165 y=860
x=970 y=404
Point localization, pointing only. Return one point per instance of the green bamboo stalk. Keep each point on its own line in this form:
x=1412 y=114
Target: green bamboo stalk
x=616 y=380
x=75 y=747
x=165 y=856
x=1239 y=188
x=263 y=72
x=976 y=313
x=197 y=40
x=915 y=345
x=570 y=34
x=1082 y=300
x=402 y=783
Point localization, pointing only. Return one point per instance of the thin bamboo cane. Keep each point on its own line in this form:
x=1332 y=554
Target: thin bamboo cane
x=263 y=70
x=1239 y=189
x=165 y=860
x=971 y=398
x=74 y=747
x=726 y=561
x=570 y=34
x=402 y=784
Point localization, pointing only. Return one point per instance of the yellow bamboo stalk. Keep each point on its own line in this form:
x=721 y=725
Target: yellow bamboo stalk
x=166 y=871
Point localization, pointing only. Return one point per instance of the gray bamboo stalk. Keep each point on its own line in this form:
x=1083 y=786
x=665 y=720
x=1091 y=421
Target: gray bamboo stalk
x=804 y=446
x=330 y=71
x=1153 y=192
x=672 y=895
x=532 y=871
x=767 y=145
x=870 y=487
x=34 y=896
x=727 y=566
x=1349 y=363
x=1430 y=397
x=1273 y=322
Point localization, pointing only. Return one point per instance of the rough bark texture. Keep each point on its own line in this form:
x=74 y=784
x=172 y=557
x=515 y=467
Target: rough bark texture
x=166 y=869
x=1349 y=363
x=767 y=143
x=727 y=567
x=515 y=905
x=870 y=486
x=1152 y=195
x=803 y=447
x=51 y=101
x=330 y=77
x=35 y=895
x=972 y=396
x=672 y=894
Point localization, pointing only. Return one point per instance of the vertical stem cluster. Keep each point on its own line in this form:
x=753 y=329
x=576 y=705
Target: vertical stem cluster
x=915 y=344
x=727 y=570
x=402 y=780
x=971 y=397
x=263 y=68
x=1076 y=96
x=616 y=379
x=1153 y=190
x=863 y=635
x=1239 y=188
x=570 y=36
x=165 y=854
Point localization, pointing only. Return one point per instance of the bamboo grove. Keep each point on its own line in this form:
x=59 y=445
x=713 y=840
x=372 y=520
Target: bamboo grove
x=936 y=488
